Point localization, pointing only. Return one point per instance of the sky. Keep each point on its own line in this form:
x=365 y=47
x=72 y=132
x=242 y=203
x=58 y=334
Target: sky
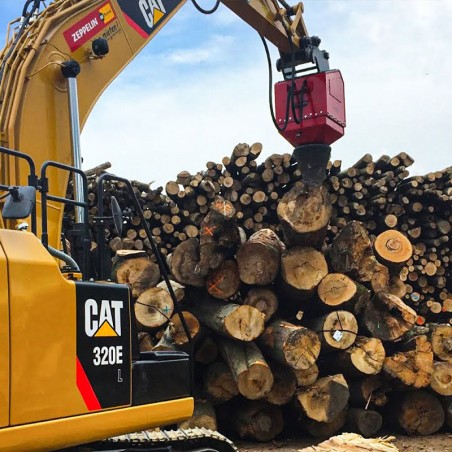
x=201 y=86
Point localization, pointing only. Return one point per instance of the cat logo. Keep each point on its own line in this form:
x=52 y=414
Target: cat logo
x=152 y=10
x=103 y=322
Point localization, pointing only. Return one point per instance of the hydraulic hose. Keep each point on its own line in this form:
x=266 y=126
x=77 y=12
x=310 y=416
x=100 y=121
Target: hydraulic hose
x=64 y=257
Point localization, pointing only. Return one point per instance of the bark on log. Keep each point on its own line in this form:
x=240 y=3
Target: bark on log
x=325 y=399
x=257 y=420
x=295 y=346
x=304 y=213
x=441 y=338
x=219 y=384
x=284 y=385
x=259 y=258
x=207 y=351
x=248 y=367
x=153 y=308
x=419 y=413
x=386 y=317
x=365 y=422
x=369 y=390
x=414 y=367
x=325 y=429
x=241 y=322
x=306 y=377
x=441 y=379
x=184 y=260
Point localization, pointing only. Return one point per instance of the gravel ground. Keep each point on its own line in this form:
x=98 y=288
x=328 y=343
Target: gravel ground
x=434 y=443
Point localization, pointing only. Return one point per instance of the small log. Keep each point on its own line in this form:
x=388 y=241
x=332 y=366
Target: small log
x=178 y=289
x=258 y=259
x=337 y=330
x=414 y=367
x=284 y=385
x=224 y=281
x=306 y=377
x=241 y=322
x=441 y=379
x=302 y=269
x=145 y=342
x=203 y=417
x=98 y=170
x=419 y=413
x=178 y=332
x=365 y=357
x=441 y=339
x=140 y=273
x=325 y=399
x=337 y=290
x=304 y=213
x=264 y=299
x=184 y=260
x=392 y=249
x=153 y=308
x=257 y=420
x=248 y=367
x=219 y=384
x=365 y=422
x=387 y=317
x=325 y=429
x=295 y=346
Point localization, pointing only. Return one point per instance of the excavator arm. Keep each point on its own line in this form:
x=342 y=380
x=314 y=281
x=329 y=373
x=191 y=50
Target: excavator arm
x=70 y=39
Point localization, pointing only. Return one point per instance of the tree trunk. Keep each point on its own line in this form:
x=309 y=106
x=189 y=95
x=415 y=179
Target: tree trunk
x=295 y=346
x=386 y=317
x=248 y=367
x=153 y=308
x=304 y=213
x=325 y=399
x=264 y=299
x=241 y=322
x=419 y=413
x=365 y=357
x=441 y=380
x=414 y=367
x=336 y=330
x=365 y=422
x=258 y=259
x=257 y=420
x=219 y=384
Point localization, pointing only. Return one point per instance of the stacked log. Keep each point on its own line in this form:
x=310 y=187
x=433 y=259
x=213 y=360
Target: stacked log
x=298 y=316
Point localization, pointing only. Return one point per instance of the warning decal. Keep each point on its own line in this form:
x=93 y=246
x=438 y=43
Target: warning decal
x=89 y=26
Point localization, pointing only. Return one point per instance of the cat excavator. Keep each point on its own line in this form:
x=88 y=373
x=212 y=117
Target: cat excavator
x=71 y=372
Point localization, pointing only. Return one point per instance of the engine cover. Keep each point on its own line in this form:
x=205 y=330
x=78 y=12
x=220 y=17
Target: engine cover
x=319 y=106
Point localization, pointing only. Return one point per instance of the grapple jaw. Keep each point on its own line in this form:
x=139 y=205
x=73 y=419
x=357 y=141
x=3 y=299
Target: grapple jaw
x=312 y=161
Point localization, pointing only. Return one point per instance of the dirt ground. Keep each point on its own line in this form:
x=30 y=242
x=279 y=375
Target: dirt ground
x=435 y=443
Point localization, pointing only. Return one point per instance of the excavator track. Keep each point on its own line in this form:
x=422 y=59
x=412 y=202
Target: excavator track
x=195 y=440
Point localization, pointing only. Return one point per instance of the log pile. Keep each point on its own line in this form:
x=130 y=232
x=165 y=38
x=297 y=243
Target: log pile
x=302 y=301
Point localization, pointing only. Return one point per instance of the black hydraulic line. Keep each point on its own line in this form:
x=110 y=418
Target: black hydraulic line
x=206 y=11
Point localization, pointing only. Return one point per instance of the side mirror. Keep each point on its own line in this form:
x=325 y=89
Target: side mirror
x=116 y=214
x=20 y=202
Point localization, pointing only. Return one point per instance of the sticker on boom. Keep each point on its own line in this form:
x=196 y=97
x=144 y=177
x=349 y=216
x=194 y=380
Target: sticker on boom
x=89 y=26
x=145 y=15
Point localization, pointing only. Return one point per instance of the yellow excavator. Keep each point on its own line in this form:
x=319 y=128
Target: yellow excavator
x=71 y=372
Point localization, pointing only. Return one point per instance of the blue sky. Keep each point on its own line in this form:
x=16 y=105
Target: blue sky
x=200 y=87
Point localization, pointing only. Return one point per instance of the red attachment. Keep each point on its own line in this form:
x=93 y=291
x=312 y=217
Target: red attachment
x=322 y=117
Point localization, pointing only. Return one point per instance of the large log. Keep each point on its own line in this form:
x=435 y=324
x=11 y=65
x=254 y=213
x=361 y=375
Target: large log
x=325 y=399
x=284 y=385
x=306 y=377
x=419 y=413
x=184 y=260
x=258 y=420
x=140 y=273
x=364 y=422
x=224 y=281
x=248 y=367
x=337 y=330
x=264 y=299
x=441 y=379
x=153 y=308
x=304 y=213
x=393 y=249
x=296 y=346
x=240 y=322
x=413 y=367
x=203 y=417
x=387 y=317
x=219 y=384
x=441 y=339
x=325 y=429
x=258 y=259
